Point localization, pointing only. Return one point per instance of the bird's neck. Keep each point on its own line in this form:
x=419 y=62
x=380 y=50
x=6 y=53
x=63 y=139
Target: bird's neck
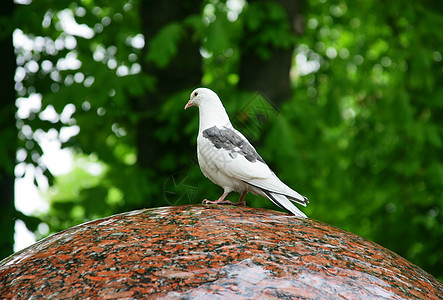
x=213 y=115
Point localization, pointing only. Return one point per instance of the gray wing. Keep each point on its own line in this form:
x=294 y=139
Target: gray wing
x=232 y=142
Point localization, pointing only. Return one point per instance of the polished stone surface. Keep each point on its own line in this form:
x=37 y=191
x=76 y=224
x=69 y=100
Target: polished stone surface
x=214 y=252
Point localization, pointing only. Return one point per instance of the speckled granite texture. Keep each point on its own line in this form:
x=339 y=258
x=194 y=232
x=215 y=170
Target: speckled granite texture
x=216 y=252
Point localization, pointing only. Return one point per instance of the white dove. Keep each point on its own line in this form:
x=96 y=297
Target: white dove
x=228 y=159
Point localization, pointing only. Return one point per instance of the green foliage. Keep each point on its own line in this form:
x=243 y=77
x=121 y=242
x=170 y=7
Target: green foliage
x=270 y=21
x=379 y=121
x=164 y=44
x=361 y=137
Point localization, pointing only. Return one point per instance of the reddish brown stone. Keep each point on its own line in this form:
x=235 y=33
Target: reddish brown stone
x=211 y=252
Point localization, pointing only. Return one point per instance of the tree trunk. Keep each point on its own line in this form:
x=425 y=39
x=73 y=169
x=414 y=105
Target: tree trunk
x=8 y=136
x=271 y=76
x=183 y=72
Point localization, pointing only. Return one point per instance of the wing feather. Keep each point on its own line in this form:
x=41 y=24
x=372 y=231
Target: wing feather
x=284 y=203
x=221 y=149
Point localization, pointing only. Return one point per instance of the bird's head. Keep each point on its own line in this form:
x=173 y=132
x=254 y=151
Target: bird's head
x=211 y=110
x=200 y=95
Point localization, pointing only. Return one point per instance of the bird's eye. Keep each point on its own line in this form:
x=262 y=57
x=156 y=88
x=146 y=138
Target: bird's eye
x=195 y=94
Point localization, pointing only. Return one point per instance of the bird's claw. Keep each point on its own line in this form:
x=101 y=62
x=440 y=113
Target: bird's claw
x=240 y=203
x=223 y=202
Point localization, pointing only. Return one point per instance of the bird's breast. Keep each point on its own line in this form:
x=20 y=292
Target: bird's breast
x=212 y=163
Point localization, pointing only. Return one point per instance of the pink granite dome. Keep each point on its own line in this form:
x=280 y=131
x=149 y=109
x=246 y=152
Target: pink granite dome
x=210 y=252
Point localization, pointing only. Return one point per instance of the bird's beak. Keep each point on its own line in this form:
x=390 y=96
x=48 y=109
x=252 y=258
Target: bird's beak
x=188 y=104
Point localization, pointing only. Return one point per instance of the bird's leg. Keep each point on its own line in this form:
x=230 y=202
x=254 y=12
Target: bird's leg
x=241 y=201
x=220 y=200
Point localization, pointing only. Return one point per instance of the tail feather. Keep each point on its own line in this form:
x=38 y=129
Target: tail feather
x=278 y=187
x=284 y=203
x=303 y=202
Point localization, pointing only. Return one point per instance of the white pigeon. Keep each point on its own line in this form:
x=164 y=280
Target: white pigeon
x=228 y=159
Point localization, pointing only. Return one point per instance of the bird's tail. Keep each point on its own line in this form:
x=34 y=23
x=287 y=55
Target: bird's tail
x=284 y=203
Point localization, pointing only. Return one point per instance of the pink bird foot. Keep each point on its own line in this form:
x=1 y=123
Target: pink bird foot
x=222 y=201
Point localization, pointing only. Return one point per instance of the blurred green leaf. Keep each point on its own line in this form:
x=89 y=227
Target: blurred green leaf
x=164 y=45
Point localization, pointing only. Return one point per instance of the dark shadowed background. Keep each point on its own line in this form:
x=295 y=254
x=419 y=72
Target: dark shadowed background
x=343 y=99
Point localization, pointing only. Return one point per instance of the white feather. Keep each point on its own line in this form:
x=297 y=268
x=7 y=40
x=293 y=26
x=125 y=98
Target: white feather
x=231 y=171
x=283 y=202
